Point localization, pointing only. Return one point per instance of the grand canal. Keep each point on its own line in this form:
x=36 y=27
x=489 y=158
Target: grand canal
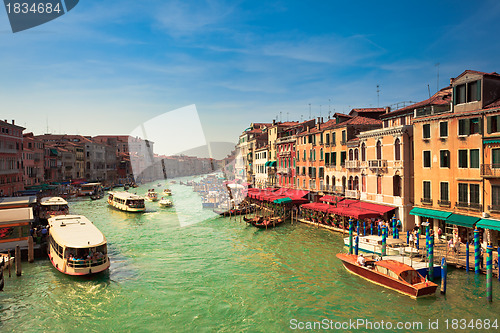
x=218 y=275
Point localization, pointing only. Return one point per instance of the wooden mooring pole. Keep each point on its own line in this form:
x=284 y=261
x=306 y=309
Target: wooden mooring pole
x=31 y=253
x=18 y=261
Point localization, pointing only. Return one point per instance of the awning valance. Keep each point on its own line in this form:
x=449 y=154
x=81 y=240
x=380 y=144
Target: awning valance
x=489 y=224
x=430 y=213
x=381 y=209
x=462 y=220
x=492 y=141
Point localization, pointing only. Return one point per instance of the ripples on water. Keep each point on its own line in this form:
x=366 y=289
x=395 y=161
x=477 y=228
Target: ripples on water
x=217 y=275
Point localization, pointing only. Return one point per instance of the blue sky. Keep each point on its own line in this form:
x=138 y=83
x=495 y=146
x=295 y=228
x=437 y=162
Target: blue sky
x=108 y=66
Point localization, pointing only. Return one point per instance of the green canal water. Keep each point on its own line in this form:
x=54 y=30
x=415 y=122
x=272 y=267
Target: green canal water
x=219 y=275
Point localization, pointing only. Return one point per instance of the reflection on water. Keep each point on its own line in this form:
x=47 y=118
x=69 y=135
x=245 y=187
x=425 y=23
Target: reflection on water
x=217 y=275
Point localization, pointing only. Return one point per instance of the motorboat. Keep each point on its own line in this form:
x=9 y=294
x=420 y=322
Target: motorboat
x=165 y=203
x=390 y=274
x=151 y=195
x=167 y=192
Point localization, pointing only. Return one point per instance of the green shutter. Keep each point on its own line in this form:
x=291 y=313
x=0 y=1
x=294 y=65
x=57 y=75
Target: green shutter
x=454 y=95
x=467 y=126
x=480 y=125
x=474 y=158
x=478 y=90
x=488 y=124
x=495 y=158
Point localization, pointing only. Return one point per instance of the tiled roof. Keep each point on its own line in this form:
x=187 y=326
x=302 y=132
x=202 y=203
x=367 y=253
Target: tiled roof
x=366 y=110
x=359 y=120
x=442 y=97
x=469 y=71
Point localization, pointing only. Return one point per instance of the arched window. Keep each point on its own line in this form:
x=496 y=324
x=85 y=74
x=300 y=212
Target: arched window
x=363 y=152
x=314 y=154
x=396 y=186
x=356 y=183
x=351 y=183
x=321 y=154
x=397 y=150
x=351 y=155
x=333 y=182
x=327 y=138
x=379 y=150
x=356 y=154
x=344 y=180
x=327 y=179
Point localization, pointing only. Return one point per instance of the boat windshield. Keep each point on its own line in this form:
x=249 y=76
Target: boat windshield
x=92 y=256
x=412 y=277
x=135 y=203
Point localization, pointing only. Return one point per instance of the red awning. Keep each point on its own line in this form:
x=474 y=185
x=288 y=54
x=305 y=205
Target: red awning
x=296 y=193
x=320 y=207
x=353 y=212
x=331 y=198
x=348 y=202
x=381 y=209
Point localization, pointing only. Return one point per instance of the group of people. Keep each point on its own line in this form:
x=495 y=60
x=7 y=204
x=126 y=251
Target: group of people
x=86 y=257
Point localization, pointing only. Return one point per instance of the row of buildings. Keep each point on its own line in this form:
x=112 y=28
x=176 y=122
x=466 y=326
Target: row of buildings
x=435 y=161
x=28 y=161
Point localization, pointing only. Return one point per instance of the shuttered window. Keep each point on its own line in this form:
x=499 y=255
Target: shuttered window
x=474 y=158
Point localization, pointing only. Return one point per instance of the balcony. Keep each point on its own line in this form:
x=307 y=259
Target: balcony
x=444 y=203
x=352 y=194
x=352 y=164
x=363 y=164
x=494 y=208
x=343 y=143
x=327 y=144
x=475 y=206
x=426 y=201
x=461 y=204
x=377 y=164
x=490 y=170
x=397 y=164
x=284 y=153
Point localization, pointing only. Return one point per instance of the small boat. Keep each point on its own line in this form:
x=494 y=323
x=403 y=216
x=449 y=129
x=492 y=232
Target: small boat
x=390 y=274
x=173 y=182
x=167 y=192
x=151 y=195
x=89 y=188
x=76 y=246
x=165 y=203
x=158 y=185
x=373 y=244
x=52 y=206
x=127 y=202
x=97 y=195
x=266 y=223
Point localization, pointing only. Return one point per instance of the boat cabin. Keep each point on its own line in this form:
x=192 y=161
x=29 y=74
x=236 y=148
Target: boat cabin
x=52 y=206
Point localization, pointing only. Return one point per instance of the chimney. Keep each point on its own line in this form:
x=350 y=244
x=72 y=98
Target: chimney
x=387 y=109
x=318 y=124
x=13 y=122
x=274 y=121
x=451 y=80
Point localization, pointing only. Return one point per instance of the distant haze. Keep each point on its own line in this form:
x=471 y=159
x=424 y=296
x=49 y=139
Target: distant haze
x=219 y=150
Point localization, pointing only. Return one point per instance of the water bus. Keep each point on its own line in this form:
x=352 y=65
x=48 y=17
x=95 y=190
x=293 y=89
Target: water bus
x=391 y=274
x=127 y=202
x=53 y=206
x=89 y=189
x=76 y=246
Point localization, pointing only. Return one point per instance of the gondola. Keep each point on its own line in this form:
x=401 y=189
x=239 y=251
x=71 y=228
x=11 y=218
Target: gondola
x=269 y=223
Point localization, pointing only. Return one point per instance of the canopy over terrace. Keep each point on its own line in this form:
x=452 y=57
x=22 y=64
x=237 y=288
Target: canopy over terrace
x=331 y=198
x=351 y=208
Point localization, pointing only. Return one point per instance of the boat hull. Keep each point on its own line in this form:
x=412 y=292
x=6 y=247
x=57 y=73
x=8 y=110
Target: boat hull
x=384 y=280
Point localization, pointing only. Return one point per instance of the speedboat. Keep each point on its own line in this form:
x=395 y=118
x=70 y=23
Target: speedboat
x=165 y=203
x=167 y=192
x=151 y=195
x=391 y=274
